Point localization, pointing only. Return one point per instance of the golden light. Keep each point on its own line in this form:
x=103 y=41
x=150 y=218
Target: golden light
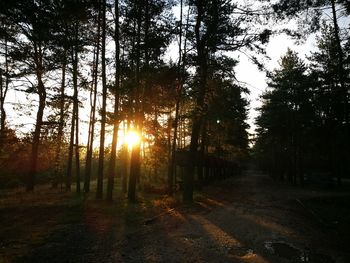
x=132 y=138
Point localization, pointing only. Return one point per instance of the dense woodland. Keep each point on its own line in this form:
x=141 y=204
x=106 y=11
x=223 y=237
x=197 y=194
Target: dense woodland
x=303 y=127
x=113 y=61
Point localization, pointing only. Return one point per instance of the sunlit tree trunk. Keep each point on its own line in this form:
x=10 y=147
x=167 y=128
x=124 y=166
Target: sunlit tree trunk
x=99 y=192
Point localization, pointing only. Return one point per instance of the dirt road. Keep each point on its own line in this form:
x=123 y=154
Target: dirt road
x=244 y=219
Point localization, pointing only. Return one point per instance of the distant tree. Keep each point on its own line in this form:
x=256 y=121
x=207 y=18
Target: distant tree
x=286 y=117
x=329 y=101
x=311 y=15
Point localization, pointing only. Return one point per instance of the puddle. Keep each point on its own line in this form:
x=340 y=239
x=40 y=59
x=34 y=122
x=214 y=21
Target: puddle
x=287 y=251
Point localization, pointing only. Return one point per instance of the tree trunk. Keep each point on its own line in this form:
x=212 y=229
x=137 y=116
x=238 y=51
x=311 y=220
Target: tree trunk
x=93 y=99
x=200 y=160
x=71 y=147
x=58 y=165
x=39 y=118
x=112 y=162
x=181 y=72
x=125 y=157
x=99 y=192
x=135 y=153
x=198 y=111
x=76 y=110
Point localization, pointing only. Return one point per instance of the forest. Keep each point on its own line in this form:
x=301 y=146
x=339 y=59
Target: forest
x=138 y=102
x=107 y=61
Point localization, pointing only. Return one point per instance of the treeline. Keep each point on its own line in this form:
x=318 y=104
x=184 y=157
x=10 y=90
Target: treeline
x=303 y=127
x=109 y=58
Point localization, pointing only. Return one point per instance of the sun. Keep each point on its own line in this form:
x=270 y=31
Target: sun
x=132 y=138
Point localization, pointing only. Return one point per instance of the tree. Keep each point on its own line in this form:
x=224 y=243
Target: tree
x=146 y=30
x=329 y=101
x=216 y=31
x=112 y=162
x=286 y=117
x=93 y=99
x=314 y=11
x=99 y=192
x=34 y=33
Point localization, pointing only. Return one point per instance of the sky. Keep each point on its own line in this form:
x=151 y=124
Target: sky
x=256 y=80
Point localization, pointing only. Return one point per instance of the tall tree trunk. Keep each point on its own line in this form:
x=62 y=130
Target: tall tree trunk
x=72 y=132
x=181 y=72
x=135 y=153
x=200 y=159
x=112 y=162
x=99 y=192
x=198 y=111
x=93 y=99
x=58 y=165
x=76 y=110
x=39 y=117
x=125 y=157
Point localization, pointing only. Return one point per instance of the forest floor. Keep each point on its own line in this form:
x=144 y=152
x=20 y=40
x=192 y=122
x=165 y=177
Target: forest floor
x=249 y=218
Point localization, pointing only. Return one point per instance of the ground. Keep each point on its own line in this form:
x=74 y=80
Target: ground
x=249 y=218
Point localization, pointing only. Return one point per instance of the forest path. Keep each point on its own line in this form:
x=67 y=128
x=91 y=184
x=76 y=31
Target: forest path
x=249 y=218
